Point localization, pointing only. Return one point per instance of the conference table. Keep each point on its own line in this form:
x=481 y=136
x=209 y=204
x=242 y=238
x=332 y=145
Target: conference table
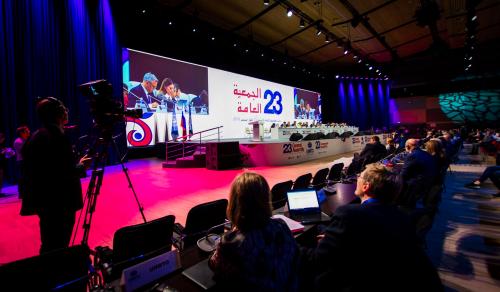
x=193 y=255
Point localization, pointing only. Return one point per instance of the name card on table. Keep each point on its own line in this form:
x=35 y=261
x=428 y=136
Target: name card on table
x=150 y=270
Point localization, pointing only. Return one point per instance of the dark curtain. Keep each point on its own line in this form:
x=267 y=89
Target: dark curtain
x=363 y=103
x=49 y=48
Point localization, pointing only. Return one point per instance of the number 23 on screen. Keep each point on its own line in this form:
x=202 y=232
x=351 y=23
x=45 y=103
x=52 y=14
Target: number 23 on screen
x=273 y=106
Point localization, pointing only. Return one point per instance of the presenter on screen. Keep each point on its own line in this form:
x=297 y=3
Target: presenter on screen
x=144 y=91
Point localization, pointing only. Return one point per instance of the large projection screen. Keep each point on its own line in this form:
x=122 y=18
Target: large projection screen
x=180 y=98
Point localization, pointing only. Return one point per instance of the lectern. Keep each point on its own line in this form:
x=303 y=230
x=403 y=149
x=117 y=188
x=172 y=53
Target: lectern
x=258 y=131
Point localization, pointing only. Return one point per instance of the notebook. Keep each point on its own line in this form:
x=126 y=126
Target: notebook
x=303 y=206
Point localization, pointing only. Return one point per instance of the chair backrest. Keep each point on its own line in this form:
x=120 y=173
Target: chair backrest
x=278 y=193
x=432 y=199
x=61 y=268
x=203 y=217
x=302 y=182
x=319 y=178
x=335 y=173
x=148 y=239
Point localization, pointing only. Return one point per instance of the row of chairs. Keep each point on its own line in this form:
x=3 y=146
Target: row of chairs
x=322 y=178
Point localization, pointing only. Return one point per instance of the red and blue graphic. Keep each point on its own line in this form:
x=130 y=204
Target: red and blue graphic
x=141 y=136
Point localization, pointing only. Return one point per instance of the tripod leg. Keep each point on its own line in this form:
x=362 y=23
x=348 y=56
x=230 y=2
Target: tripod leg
x=130 y=185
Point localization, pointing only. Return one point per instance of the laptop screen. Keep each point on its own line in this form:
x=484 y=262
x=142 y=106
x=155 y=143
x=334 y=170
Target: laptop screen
x=302 y=200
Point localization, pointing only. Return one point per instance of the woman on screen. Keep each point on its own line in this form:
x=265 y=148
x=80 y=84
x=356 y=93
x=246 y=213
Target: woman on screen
x=259 y=253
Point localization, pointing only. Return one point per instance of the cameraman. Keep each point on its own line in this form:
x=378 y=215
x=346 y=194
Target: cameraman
x=52 y=188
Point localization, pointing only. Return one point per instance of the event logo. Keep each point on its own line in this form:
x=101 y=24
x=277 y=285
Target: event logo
x=273 y=106
x=141 y=136
x=310 y=147
x=287 y=148
x=251 y=101
x=298 y=148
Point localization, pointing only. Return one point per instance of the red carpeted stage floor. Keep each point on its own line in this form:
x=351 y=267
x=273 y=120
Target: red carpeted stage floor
x=161 y=192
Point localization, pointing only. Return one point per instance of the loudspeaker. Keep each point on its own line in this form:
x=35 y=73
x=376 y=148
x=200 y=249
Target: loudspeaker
x=223 y=155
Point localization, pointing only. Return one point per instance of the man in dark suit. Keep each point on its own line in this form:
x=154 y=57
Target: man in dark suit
x=144 y=91
x=371 y=246
x=52 y=188
x=418 y=173
x=373 y=152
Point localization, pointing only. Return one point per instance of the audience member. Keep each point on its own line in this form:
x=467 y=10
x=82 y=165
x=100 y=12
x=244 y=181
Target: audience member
x=23 y=134
x=418 y=173
x=52 y=188
x=371 y=246
x=491 y=172
x=5 y=153
x=390 y=146
x=434 y=148
x=259 y=253
x=373 y=152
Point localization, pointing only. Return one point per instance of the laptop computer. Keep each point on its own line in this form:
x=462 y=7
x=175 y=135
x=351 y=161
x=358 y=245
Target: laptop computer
x=303 y=206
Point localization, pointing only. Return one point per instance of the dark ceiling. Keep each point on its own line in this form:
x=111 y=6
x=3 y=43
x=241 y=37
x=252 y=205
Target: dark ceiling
x=413 y=42
x=386 y=32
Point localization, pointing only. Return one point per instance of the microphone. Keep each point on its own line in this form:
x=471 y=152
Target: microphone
x=209 y=242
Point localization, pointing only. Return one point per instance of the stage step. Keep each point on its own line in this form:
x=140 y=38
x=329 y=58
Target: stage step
x=190 y=161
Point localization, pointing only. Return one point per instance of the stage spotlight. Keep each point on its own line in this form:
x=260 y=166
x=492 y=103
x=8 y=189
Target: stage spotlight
x=302 y=23
x=470 y=58
x=246 y=51
x=377 y=70
x=336 y=76
x=354 y=57
x=266 y=2
x=359 y=61
x=170 y=23
x=143 y=11
x=369 y=68
x=234 y=45
x=289 y=12
x=213 y=38
x=346 y=51
x=327 y=38
x=194 y=29
x=474 y=18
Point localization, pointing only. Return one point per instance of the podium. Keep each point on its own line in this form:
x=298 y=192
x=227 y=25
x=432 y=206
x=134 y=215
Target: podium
x=258 y=131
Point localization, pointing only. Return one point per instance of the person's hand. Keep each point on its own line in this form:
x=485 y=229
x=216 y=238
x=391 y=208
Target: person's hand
x=86 y=161
x=154 y=105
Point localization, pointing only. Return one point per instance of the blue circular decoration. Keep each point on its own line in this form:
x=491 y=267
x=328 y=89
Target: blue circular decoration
x=137 y=136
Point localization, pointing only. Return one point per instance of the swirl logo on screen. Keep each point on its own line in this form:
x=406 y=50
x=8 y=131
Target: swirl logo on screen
x=141 y=136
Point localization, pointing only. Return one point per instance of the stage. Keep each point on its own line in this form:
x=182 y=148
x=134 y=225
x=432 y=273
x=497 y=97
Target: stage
x=284 y=152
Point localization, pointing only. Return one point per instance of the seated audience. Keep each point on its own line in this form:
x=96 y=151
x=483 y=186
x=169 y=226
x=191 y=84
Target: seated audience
x=491 y=172
x=434 y=148
x=371 y=246
x=390 y=146
x=259 y=253
x=373 y=152
x=418 y=173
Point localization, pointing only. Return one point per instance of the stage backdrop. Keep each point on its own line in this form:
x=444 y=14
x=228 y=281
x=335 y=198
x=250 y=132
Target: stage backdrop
x=204 y=98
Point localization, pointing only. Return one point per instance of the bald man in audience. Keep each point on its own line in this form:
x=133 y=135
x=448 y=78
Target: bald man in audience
x=418 y=173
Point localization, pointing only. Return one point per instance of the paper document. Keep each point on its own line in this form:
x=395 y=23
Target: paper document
x=293 y=225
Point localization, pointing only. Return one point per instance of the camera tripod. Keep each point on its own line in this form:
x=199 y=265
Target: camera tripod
x=101 y=146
